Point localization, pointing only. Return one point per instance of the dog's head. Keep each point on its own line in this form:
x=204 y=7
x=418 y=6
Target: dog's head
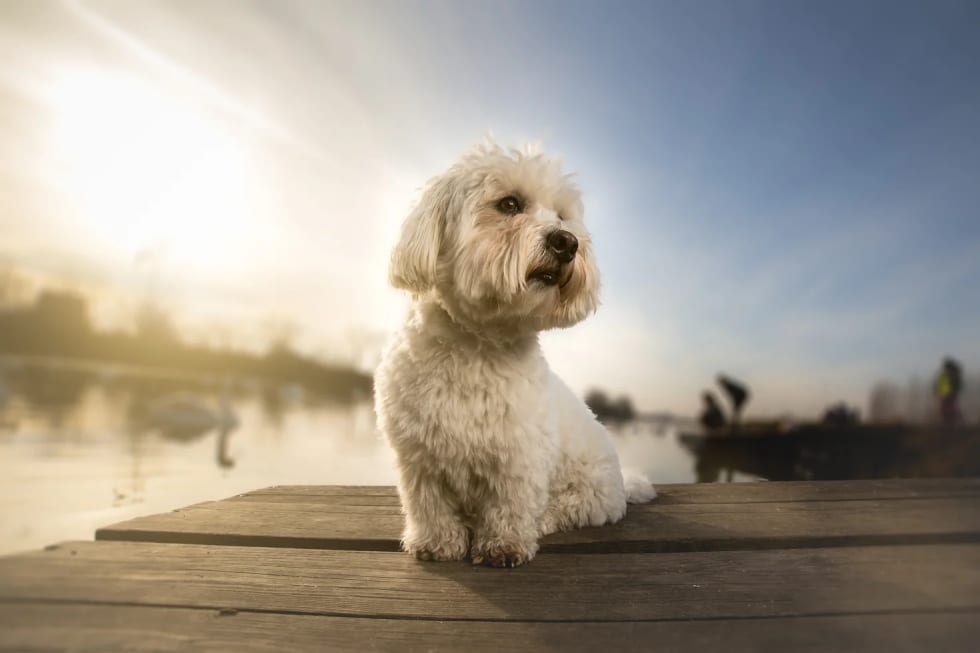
x=499 y=239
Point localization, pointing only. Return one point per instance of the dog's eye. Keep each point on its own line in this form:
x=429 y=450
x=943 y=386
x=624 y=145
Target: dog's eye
x=509 y=205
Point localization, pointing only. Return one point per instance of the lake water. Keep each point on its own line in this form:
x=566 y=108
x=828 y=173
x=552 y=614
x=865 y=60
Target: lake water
x=77 y=450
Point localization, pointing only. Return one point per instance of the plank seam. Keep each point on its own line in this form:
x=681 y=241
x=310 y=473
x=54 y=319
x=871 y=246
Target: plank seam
x=662 y=500
x=252 y=541
x=598 y=548
x=655 y=502
x=226 y=609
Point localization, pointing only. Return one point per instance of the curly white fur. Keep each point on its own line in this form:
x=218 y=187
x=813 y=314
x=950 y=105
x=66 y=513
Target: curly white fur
x=493 y=450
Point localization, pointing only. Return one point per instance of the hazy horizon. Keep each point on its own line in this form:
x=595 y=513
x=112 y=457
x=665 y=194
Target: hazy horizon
x=782 y=191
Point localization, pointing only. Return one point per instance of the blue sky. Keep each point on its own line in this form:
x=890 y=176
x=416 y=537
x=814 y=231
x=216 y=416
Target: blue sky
x=784 y=190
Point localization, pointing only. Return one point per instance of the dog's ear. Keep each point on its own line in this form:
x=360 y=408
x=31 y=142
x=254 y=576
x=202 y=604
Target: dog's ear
x=413 y=262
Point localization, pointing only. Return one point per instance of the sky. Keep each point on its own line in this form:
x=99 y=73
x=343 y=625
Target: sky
x=786 y=191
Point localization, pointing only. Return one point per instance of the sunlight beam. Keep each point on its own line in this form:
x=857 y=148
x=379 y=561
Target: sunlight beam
x=207 y=90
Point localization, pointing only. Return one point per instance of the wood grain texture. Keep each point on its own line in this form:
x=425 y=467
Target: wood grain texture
x=93 y=628
x=657 y=527
x=668 y=493
x=557 y=587
x=868 y=565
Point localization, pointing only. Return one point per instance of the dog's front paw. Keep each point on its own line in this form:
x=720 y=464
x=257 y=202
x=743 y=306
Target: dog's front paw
x=502 y=553
x=451 y=545
x=436 y=553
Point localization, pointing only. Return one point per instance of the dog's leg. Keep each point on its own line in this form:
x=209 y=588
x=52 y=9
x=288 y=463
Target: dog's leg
x=433 y=530
x=506 y=534
x=585 y=493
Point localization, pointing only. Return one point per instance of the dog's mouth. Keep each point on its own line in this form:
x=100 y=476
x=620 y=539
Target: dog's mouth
x=556 y=276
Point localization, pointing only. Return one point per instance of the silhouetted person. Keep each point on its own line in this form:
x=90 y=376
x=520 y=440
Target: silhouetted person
x=738 y=394
x=712 y=417
x=948 y=386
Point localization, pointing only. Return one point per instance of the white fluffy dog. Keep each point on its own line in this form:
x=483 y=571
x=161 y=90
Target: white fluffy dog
x=494 y=451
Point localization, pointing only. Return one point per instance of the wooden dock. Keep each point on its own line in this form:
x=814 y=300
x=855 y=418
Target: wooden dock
x=889 y=565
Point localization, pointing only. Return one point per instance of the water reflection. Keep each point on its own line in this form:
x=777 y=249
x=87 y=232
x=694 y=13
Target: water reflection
x=85 y=445
x=822 y=451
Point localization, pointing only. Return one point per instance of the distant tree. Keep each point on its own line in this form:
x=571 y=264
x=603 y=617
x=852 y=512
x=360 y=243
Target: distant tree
x=154 y=325
x=919 y=404
x=606 y=409
x=623 y=408
x=840 y=414
x=15 y=288
x=57 y=324
x=280 y=333
x=886 y=402
x=62 y=311
x=598 y=402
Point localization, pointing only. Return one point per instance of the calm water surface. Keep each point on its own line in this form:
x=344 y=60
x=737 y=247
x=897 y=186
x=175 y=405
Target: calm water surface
x=81 y=447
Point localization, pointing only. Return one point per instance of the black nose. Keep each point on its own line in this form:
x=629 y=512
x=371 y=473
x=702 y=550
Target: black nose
x=563 y=244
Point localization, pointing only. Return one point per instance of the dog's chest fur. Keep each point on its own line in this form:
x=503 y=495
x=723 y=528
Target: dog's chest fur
x=473 y=408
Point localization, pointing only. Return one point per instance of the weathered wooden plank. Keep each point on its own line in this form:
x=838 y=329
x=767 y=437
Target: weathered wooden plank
x=780 y=492
x=294 y=525
x=649 y=528
x=124 y=628
x=569 y=587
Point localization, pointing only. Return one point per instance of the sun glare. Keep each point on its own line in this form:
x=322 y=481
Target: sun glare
x=145 y=170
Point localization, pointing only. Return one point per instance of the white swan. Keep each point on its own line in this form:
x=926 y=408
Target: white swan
x=185 y=413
